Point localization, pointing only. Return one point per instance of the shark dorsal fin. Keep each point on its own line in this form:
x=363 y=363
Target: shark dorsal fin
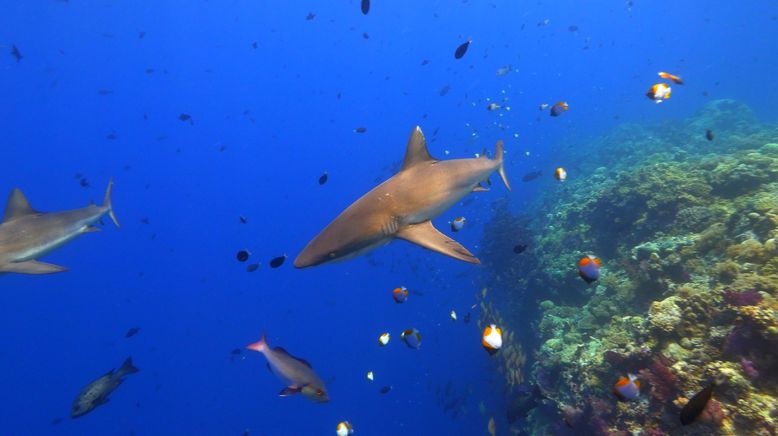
x=17 y=206
x=417 y=150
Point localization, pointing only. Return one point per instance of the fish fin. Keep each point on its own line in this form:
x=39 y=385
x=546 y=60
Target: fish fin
x=426 y=235
x=90 y=229
x=107 y=203
x=499 y=156
x=17 y=206
x=31 y=267
x=127 y=368
x=417 y=150
x=479 y=188
x=259 y=346
x=289 y=390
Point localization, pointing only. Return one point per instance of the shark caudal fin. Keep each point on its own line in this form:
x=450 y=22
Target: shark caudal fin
x=499 y=157
x=107 y=203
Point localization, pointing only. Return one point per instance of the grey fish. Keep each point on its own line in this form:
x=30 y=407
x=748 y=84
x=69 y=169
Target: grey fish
x=96 y=393
x=296 y=372
x=403 y=206
x=26 y=234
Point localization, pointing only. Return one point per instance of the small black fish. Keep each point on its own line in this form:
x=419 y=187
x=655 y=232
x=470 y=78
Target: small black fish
x=365 y=6
x=365 y=35
x=236 y=352
x=518 y=249
x=462 y=49
x=277 y=261
x=385 y=389
x=444 y=90
x=310 y=16
x=530 y=176
x=254 y=44
x=466 y=319
x=424 y=62
x=104 y=91
x=185 y=117
x=242 y=256
x=16 y=53
x=573 y=28
x=243 y=219
x=360 y=130
x=145 y=220
x=253 y=267
x=696 y=405
x=141 y=34
x=323 y=178
x=84 y=182
x=132 y=332
x=709 y=135
x=111 y=136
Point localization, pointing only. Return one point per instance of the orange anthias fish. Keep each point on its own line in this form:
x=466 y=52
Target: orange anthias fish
x=400 y=295
x=296 y=372
x=627 y=388
x=677 y=80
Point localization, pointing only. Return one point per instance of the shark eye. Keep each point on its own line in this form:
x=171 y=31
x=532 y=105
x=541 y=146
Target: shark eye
x=332 y=255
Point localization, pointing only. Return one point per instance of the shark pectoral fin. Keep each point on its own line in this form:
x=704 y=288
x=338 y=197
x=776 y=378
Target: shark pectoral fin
x=479 y=188
x=426 y=235
x=31 y=267
x=290 y=390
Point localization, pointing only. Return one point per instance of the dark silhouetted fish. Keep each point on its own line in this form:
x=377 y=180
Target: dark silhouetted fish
x=253 y=267
x=365 y=6
x=243 y=219
x=132 y=332
x=185 y=118
x=709 y=135
x=462 y=49
x=242 y=255
x=530 y=176
x=386 y=389
x=310 y=16
x=277 y=261
x=360 y=130
x=96 y=393
x=696 y=405
x=444 y=90
x=323 y=178
x=518 y=249
x=16 y=53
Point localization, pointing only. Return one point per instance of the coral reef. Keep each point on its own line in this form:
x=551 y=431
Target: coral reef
x=687 y=231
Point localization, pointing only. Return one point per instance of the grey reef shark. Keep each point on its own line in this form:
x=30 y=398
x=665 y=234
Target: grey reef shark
x=403 y=206
x=26 y=234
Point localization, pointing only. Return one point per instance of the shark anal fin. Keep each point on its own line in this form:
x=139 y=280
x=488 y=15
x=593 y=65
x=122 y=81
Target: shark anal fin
x=31 y=267
x=417 y=149
x=426 y=235
x=17 y=206
x=289 y=390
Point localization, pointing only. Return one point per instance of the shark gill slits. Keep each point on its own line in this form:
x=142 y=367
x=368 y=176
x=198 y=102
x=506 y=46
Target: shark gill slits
x=277 y=261
x=242 y=255
x=462 y=49
x=323 y=178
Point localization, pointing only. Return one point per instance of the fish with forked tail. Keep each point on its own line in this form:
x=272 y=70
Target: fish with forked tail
x=96 y=393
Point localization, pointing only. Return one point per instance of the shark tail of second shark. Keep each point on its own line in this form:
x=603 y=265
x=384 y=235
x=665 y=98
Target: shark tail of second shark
x=107 y=203
x=499 y=157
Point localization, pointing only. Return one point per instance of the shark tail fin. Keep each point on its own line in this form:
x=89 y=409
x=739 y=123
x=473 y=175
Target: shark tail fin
x=498 y=156
x=107 y=203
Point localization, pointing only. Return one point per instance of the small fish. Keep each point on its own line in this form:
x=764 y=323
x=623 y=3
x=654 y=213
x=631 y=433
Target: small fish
x=412 y=338
x=493 y=107
x=310 y=16
x=457 y=224
x=491 y=426
x=296 y=372
x=558 y=108
x=185 y=117
x=444 y=90
x=252 y=267
x=709 y=135
x=466 y=319
x=141 y=34
x=667 y=76
x=132 y=332
x=492 y=339
x=365 y=35
x=453 y=315
x=365 y=6
x=370 y=375
x=360 y=130
x=277 y=261
x=384 y=339
x=242 y=255
x=572 y=28
x=696 y=405
x=243 y=219
x=462 y=49
x=519 y=248
x=400 y=295
x=502 y=71
x=96 y=393
x=425 y=62
x=530 y=176
x=254 y=44
x=543 y=106
x=344 y=428
x=627 y=389
x=323 y=178
x=659 y=92
x=589 y=268
x=84 y=182
x=560 y=174
x=385 y=389
x=16 y=53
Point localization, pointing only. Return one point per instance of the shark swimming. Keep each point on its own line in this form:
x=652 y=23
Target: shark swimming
x=403 y=206
x=26 y=234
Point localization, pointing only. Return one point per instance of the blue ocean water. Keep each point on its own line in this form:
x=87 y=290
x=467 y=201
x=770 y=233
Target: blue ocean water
x=99 y=91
